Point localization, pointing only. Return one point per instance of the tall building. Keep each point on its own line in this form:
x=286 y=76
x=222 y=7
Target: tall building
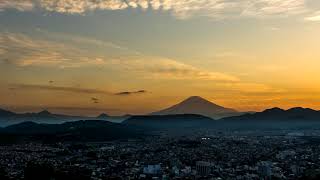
x=203 y=168
x=265 y=170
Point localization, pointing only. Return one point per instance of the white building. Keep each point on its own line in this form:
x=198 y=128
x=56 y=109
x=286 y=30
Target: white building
x=152 y=169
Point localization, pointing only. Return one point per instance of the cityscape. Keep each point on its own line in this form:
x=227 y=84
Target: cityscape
x=223 y=155
x=159 y=90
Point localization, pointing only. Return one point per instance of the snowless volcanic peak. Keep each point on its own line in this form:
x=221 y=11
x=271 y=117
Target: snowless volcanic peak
x=197 y=105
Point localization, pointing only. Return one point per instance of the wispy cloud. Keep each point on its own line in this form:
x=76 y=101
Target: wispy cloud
x=149 y=67
x=81 y=6
x=24 y=51
x=265 y=8
x=168 y=69
x=243 y=88
x=314 y=17
x=21 y=5
x=182 y=9
x=83 y=40
x=95 y=100
x=127 y=93
x=58 y=88
x=76 y=90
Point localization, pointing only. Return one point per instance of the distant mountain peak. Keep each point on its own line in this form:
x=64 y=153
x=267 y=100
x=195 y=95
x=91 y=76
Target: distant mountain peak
x=301 y=110
x=274 y=110
x=200 y=101
x=103 y=116
x=197 y=105
x=196 y=98
x=44 y=113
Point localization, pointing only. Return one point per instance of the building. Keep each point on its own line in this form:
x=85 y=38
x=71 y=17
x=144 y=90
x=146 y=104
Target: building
x=203 y=168
x=152 y=169
x=265 y=170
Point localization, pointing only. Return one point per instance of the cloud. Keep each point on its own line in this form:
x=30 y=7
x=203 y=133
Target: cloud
x=315 y=17
x=22 y=50
x=61 y=109
x=127 y=93
x=182 y=9
x=25 y=51
x=252 y=88
x=83 y=40
x=59 y=88
x=164 y=68
x=21 y=5
x=81 y=6
x=95 y=100
x=73 y=90
x=265 y=8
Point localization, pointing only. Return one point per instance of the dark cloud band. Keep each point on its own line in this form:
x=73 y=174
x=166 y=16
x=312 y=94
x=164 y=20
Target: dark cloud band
x=126 y=93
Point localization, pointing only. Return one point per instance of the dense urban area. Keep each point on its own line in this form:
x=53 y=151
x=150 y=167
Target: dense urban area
x=219 y=155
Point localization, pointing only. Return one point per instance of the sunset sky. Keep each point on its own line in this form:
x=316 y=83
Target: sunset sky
x=138 y=56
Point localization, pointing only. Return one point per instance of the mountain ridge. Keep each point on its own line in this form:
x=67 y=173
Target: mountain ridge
x=274 y=114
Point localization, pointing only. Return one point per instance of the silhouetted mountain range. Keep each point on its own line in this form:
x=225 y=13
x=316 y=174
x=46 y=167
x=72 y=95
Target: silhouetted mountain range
x=201 y=106
x=9 y=118
x=277 y=114
x=275 y=118
x=136 y=126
